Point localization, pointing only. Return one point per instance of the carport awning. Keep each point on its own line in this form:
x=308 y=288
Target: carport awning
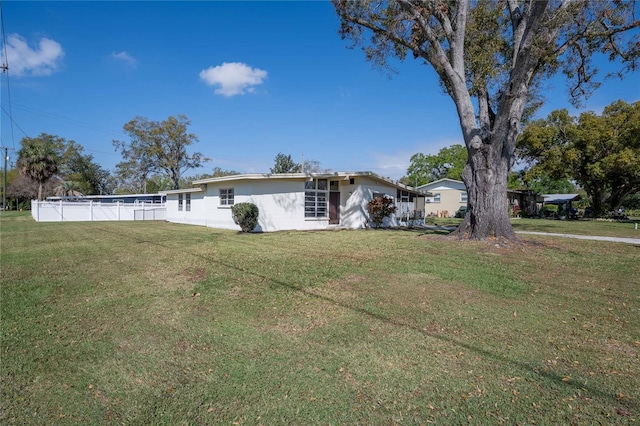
x=561 y=198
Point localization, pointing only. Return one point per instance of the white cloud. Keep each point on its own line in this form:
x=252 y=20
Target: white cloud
x=233 y=78
x=125 y=58
x=44 y=59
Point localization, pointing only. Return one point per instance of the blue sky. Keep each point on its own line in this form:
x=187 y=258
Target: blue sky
x=254 y=78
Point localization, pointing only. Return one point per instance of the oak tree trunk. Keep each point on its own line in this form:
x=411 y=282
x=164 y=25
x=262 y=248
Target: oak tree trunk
x=487 y=214
x=491 y=154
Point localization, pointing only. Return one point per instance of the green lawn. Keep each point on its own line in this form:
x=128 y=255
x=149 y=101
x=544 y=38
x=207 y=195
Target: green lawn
x=157 y=323
x=579 y=227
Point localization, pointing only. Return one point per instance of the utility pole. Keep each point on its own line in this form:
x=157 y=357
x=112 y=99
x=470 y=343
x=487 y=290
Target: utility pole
x=4 y=180
x=5 y=69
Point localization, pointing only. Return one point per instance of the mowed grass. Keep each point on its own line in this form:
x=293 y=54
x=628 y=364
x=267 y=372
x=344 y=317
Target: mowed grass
x=157 y=323
x=626 y=229
x=580 y=227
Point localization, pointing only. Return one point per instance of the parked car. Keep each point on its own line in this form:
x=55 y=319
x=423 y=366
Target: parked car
x=461 y=212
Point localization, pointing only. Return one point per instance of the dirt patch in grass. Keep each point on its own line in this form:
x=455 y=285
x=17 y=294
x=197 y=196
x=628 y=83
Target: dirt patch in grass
x=196 y=275
x=305 y=318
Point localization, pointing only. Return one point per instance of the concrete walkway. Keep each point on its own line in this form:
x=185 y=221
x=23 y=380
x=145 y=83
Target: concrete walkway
x=635 y=241
x=586 y=237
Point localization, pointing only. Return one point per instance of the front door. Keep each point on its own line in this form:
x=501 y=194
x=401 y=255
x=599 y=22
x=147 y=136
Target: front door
x=334 y=206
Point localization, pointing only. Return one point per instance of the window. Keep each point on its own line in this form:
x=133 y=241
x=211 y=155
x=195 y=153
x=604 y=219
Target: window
x=226 y=197
x=180 y=202
x=404 y=196
x=436 y=198
x=188 y=202
x=463 y=197
x=315 y=198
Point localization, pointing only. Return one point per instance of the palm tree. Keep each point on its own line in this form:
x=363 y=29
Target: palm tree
x=68 y=188
x=37 y=160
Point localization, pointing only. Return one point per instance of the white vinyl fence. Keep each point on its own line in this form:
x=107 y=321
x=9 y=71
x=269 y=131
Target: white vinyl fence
x=65 y=211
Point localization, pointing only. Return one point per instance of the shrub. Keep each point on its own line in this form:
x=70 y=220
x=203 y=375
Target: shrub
x=245 y=215
x=379 y=208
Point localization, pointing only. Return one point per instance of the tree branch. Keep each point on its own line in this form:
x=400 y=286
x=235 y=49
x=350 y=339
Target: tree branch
x=452 y=77
x=516 y=28
x=457 y=43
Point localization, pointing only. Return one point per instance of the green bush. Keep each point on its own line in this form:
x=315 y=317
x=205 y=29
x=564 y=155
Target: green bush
x=245 y=215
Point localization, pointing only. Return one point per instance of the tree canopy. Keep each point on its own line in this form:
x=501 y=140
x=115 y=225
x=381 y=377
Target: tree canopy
x=38 y=159
x=71 y=165
x=75 y=166
x=68 y=188
x=543 y=183
x=157 y=148
x=600 y=152
x=490 y=57
x=447 y=163
x=217 y=172
x=285 y=164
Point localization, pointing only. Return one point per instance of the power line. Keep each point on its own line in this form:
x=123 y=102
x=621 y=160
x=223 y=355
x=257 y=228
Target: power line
x=14 y=122
x=68 y=120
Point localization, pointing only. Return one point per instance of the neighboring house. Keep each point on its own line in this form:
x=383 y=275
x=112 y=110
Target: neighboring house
x=448 y=195
x=289 y=201
x=523 y=201
x=564 y=203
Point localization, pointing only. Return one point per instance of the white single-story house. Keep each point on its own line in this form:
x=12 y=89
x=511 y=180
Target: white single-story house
x=289 y=201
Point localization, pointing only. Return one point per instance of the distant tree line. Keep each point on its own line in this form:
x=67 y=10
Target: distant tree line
x=154 y=158
x=596 y=154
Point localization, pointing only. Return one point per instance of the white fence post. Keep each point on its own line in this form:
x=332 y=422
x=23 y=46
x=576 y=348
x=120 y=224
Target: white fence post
x=61 y=215
x=91 y=210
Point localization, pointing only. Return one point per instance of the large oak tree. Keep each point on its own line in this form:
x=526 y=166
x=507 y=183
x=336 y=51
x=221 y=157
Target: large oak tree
x=490 y=55
x=599 y=152
x=157 y=148
x=448 y=163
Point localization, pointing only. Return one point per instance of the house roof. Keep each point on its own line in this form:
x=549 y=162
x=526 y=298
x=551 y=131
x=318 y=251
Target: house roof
x=182 y=191
x=297 y=176
x=437 y=183
x=560 y=198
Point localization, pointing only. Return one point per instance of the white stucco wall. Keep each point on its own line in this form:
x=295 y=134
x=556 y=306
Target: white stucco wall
x=197 y=214
x=280 y=202
x=355 y=213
